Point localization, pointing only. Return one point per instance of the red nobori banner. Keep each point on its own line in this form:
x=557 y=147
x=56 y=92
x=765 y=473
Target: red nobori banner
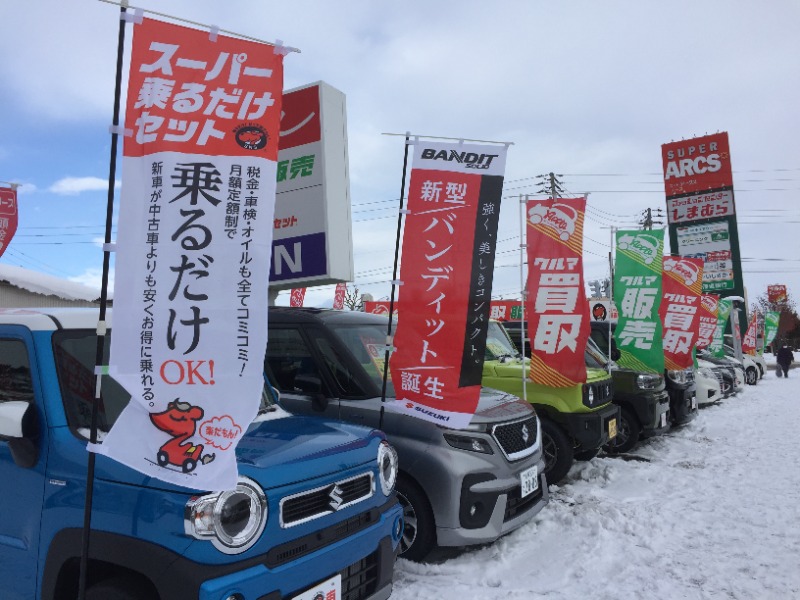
x=297 y=296
x=698 y=165
x=379 y=307
x=682 y=283
x=506 y=310
x=708 y=315
x=448 y=260
x=556 y=309
x=193 y=251
x=776 y=293
x=8 y=217
x=749 y=340
x=338 y=296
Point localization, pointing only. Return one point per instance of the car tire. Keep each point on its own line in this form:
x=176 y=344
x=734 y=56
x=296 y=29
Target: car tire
x=751 y=376
x=557 y=450
x=120 y=588
x=587 y=454
x=628 y=432
x=419 y=526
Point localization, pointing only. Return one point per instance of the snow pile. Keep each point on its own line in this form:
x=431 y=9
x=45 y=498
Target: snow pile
x=47 y=285
x=708 y=511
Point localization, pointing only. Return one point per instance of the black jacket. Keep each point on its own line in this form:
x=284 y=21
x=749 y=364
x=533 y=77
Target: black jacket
x=785 y=356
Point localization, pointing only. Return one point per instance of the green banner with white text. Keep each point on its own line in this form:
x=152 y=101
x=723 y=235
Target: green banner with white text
x=637 y=294
x=771 y=320
x=723 y=314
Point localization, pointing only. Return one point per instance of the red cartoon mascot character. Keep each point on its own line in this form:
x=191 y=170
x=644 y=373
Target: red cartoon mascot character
x=180 y=421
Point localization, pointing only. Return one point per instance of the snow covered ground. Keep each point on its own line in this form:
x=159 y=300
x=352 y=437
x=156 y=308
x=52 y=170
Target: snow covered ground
x=709 y=511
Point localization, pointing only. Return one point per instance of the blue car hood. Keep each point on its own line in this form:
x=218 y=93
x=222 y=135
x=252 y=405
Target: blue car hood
x=277 y=452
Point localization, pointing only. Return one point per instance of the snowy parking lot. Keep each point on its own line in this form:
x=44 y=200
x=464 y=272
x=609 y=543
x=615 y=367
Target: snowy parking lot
x=707 y=511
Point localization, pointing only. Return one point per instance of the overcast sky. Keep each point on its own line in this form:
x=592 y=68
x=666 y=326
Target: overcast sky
x=588 y=90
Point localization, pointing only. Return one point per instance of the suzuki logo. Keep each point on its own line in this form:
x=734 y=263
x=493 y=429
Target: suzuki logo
x=525 y=433
x=336 y=498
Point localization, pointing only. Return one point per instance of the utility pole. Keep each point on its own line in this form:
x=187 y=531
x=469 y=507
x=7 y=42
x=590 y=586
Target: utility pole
x=647 y=221
x=550 y=185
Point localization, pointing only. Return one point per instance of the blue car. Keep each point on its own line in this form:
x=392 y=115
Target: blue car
x=315 y=513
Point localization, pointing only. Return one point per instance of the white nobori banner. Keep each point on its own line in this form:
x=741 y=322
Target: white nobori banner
x=193 y=250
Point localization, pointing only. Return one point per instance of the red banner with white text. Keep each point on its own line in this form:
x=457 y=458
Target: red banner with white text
x=338 y=296
x=448 y=252
x=193 y=250
x=682 y=283
x=297 y=297
x=749 y=340
x=707 y=317
x=8 y=216
x=556 y=308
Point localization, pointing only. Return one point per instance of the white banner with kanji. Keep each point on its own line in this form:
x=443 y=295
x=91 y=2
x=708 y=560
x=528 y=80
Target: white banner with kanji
x=193 y=254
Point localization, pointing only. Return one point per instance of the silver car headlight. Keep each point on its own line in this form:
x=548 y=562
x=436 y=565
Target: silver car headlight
x=231 y=520
x=387 y=467
x=679 y=377
x=648 y=381
x=706 y=372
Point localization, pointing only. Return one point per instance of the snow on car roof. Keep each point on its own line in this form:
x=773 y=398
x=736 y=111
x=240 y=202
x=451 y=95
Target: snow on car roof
x=52 y=318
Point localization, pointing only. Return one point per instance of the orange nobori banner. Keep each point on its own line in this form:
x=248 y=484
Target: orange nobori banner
x=681 y=284
x=8 y=216
x=707 y=317
x=193 y=251
x=297 y=297
x=556 y=309
x=338 y=296
x=448 y=254
x=749 y=340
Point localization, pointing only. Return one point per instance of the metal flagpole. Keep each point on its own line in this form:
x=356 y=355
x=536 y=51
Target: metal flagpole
x=101 y=323
x=610 y=295
x=395 y=282
x=522 y=291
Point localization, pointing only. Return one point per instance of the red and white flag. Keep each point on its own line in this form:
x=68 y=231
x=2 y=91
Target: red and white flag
x=338 y=296
x=193 y=250
x=707 y=317
x=8 y=216
x=297 y=297
x=682 y=285
x=749 y=340
x=448 y=260
x=556 y=308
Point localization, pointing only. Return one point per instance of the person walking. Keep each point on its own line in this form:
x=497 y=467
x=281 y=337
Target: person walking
x=785 y=359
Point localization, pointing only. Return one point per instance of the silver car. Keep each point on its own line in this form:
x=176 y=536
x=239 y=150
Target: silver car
x=457 y=487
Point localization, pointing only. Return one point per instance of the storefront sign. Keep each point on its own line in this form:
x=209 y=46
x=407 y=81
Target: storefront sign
x=313 y=241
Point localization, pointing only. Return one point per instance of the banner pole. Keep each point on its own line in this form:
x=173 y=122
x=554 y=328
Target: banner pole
x=522 y=291
x=101 y=324
x=394 y=282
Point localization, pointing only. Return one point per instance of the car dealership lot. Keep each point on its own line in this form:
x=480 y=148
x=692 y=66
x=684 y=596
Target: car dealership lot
x=710 y=510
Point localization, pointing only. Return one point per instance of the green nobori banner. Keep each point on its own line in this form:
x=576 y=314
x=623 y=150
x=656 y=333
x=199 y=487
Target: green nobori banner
x=637 y=294
x=724 y=312
x=771 y=320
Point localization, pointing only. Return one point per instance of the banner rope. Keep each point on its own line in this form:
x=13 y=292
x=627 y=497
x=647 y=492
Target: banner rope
x=213 y=28
x=435 y=137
